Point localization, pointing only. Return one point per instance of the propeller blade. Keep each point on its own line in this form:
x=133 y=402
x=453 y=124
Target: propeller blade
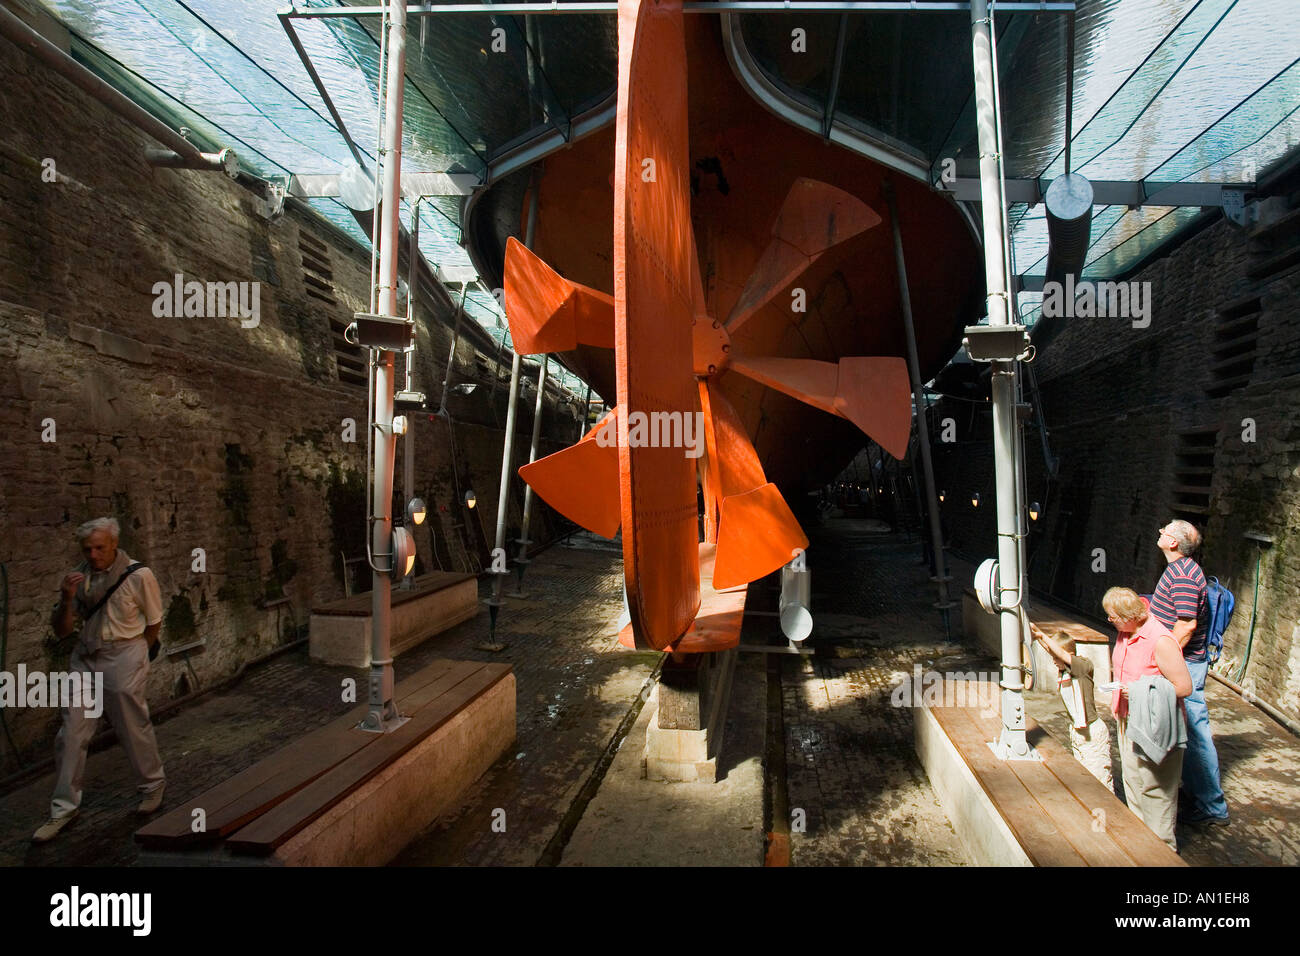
x=873 y=393
x=581 y=482
x=548 y=313
x=814 y=218
x=757 y=533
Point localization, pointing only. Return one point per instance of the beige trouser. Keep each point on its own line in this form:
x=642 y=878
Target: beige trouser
x=1092 y=749
x=125 y=666
x=1151 y=790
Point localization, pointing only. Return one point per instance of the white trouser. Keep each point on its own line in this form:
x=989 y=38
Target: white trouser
x=125 y=666
x=1092 y=749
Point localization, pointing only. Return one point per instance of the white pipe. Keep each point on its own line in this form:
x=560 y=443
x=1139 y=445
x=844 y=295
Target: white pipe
x=507 y=458
x=1012 y=742
x=382 y=708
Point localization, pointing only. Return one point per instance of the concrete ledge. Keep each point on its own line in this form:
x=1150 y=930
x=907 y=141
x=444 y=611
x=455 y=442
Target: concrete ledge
x=373 y=823
x=341 y=635
x=984 y=835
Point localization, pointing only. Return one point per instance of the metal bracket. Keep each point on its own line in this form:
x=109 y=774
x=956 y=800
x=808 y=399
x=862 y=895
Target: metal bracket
x=1235 y=208
x=270 y=206
x=386 y=332
x=996 y=343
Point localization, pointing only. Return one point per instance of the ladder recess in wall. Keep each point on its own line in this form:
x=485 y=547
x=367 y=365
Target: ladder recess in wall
x=1232 y=354
x=318 y=278
x=1194 y=472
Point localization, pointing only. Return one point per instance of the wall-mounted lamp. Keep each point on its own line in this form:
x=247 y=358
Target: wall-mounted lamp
x=470 y=500
x=974 y=499
x=941 y=497
x=399 y=425
x=415 y=511
x=1033 y=511
x=403 y=552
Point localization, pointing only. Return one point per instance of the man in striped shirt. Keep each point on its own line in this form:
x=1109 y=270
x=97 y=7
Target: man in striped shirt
x=1179 y=603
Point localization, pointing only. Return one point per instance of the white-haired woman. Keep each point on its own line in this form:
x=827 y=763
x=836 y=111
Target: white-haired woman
x=1146 y=649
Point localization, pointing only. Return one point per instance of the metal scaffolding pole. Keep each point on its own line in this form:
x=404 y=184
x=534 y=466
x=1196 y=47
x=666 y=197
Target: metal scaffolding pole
x=508 y=449
x=503 y=497
x=382 y=715
x=408 y=357
x=918 y=401
x=521 y=562
x=1012 y=743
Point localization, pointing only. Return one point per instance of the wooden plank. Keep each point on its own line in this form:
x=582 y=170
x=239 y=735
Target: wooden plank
x=359 y=604
x=1073 y=818
x=300 y=763
x=272 y=828
x=254 y=790
x=1125 y=829
x=1035 y=832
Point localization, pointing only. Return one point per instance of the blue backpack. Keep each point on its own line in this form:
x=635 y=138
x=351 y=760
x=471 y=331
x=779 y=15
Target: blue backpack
x=1219 y=604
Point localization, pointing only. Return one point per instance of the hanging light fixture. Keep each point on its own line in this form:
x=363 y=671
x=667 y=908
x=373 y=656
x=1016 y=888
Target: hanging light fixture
x=470 y=500
x=415 y=511
x=403 y=552
x=941 y=493
x=974 y=499
x=1033 y=511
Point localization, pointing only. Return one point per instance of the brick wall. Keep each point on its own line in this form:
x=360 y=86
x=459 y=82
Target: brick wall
x=1125 y=405
x=197 y=433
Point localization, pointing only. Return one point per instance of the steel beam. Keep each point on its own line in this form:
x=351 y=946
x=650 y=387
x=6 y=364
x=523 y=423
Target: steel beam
x=414 y=185
x=1106 y=193
x=182 y=153
x=731 y=6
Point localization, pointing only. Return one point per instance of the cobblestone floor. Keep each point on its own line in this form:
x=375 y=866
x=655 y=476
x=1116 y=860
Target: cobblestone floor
x=574 y=685
x=851 y=766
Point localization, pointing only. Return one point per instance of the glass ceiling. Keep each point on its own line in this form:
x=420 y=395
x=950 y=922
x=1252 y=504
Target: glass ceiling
x=1164 y=90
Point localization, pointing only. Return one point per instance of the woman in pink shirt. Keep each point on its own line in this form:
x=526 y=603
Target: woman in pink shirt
x=1146 y=648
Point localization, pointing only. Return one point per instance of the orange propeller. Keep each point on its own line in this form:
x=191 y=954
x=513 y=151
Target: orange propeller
x=668 y=350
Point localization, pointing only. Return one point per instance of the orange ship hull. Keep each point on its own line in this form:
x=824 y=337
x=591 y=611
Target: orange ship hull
x=743 y=162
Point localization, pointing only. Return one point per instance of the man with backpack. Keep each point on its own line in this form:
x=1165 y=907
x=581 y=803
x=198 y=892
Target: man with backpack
x=1180 y=603
x=120 y=609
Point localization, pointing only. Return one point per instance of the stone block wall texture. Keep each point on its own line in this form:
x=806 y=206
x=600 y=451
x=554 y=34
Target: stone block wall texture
x=1117 y=399
x=197 y=433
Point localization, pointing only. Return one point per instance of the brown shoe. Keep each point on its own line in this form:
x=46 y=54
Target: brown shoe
x=52 y=828
x=151 y=802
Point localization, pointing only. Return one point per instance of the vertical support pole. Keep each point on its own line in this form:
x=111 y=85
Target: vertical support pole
x=918 y=402
x=408 y=357
x=382 y=715
x=521 y=562
x=1012 y=743
x=508 y=449
x=451 y=352
x=586 y=414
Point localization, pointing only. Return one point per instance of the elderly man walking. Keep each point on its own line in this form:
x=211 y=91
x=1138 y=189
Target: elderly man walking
x=118 y=603
x=1179 y=603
